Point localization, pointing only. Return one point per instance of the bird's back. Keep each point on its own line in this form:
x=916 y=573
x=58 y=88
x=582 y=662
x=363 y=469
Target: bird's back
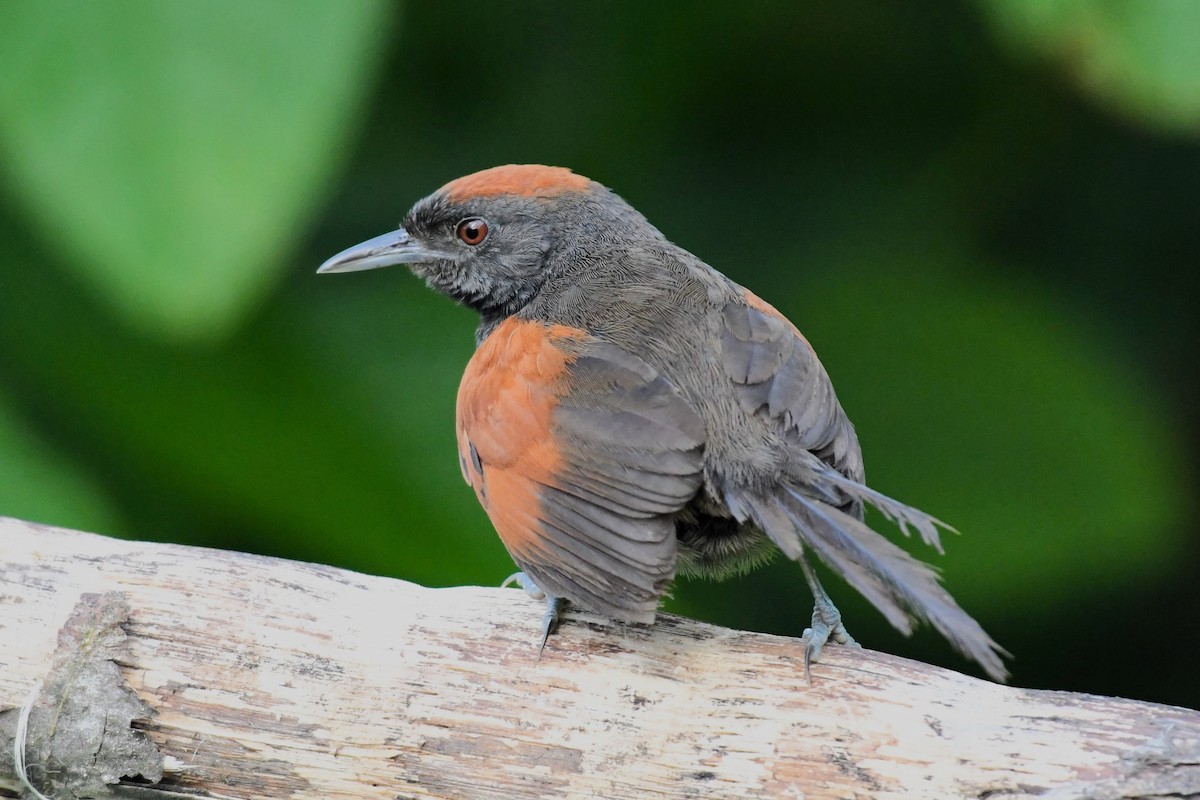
x=703 y=331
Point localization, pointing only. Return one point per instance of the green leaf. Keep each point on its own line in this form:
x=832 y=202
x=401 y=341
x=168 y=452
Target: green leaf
x=173 y=151
x=1140 y=56
x=40 y=485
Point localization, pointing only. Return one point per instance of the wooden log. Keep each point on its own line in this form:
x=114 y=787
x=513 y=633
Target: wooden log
x=270 y=678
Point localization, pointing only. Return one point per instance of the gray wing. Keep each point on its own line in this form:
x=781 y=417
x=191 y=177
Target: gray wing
x=581 y=453
x=778 y=377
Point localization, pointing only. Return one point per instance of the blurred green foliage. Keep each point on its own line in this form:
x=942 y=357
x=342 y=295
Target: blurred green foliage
x=168 y=150
x=982 y=215
x=1140 y=55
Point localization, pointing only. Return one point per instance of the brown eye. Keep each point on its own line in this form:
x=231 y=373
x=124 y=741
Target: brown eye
x=472 y=231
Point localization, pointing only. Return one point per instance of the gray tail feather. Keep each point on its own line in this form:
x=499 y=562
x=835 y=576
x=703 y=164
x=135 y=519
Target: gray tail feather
x=897 y=584
x=895 y=511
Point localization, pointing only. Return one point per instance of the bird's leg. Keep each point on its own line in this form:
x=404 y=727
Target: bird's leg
x=826 y=621
x=554 y=605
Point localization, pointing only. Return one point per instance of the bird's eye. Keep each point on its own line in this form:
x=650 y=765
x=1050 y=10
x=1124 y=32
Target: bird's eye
x=472 y=231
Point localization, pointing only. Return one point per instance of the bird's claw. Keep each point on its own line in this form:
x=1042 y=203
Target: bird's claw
x=554 y=605
x=550 y=619
x=526 y=583
x=826 y=627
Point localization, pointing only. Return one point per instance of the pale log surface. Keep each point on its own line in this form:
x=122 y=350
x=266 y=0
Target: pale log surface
x=272 y=679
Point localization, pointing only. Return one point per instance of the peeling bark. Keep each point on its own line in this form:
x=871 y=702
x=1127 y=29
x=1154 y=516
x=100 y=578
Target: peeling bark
x=271 y=678
x=79 y=734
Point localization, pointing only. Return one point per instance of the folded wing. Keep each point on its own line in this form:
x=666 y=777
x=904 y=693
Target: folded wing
x=581 y=453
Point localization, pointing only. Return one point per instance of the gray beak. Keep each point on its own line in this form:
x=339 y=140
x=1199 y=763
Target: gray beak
x=387 y=250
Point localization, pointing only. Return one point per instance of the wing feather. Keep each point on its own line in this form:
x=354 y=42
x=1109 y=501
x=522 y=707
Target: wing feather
x=779 y=377
x=593 y=452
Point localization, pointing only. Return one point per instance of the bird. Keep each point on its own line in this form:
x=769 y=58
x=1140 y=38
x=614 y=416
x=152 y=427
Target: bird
x=631 y=415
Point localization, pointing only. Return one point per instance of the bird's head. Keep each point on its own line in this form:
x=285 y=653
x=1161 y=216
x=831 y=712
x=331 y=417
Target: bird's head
x=489 y=240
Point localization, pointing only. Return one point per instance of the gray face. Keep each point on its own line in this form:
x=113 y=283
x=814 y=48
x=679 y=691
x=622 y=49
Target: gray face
x=493 y=253
x=490 y=254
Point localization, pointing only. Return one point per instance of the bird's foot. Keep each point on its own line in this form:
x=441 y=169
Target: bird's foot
x=526 y=583
x=826 y=621
x=826 y=627
x=554 y=605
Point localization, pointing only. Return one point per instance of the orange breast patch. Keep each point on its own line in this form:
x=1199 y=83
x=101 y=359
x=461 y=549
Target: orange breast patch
x=505 y=405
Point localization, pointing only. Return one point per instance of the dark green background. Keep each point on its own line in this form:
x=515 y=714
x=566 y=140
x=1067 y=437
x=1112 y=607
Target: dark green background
x=984 y=216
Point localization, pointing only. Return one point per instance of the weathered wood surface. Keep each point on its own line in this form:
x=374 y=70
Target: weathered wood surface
x=272 y=679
